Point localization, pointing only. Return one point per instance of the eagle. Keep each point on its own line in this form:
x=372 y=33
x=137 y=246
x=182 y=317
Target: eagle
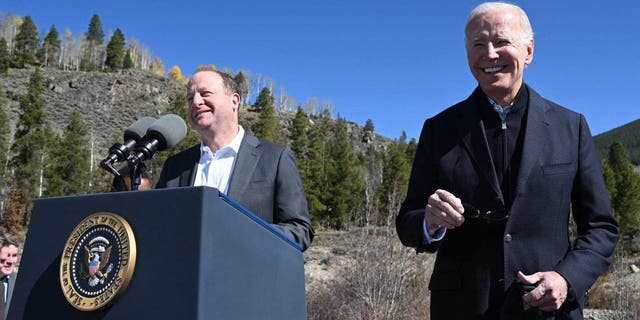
x=97 y=258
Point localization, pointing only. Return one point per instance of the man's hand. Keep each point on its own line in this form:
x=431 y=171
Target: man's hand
x=550 y=291
x=444 y=210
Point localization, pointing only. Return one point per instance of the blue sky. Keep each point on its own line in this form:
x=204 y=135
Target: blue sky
x=395 y=62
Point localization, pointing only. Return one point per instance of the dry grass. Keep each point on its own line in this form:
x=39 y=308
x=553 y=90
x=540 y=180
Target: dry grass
x=373 y=277
x=619 y=289
x=366 y=274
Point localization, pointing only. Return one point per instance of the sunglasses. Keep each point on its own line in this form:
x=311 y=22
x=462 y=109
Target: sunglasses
x=488 y=216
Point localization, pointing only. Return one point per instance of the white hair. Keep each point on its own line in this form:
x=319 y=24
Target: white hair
x=525 y=25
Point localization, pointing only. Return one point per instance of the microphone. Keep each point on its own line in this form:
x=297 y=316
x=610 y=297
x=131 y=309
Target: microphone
x=163 y=134
x=132 y=135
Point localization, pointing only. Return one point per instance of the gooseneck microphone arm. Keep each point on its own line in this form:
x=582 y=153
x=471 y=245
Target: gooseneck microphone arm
x=120 y=151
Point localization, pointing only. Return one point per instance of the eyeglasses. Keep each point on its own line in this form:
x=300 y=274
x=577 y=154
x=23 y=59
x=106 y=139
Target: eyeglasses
x=487 y=216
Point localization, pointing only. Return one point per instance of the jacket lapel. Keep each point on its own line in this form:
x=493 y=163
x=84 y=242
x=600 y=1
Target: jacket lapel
x=188 y=177
x=535 y=139
x=471 y=131
x=246 y=162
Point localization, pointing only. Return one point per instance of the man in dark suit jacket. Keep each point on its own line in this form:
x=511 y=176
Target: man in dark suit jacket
x=493 y=183
x=260 y=175
x=9 y=248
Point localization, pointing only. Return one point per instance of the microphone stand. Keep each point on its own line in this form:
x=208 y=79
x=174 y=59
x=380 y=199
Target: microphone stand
x=135 y=171
x=107 y=165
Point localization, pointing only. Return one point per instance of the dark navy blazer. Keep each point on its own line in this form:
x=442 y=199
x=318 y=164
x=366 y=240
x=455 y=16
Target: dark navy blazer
x=559 y=173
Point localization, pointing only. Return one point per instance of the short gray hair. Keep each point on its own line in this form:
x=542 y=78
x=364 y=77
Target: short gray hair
x=525 y=25
x=8 y=240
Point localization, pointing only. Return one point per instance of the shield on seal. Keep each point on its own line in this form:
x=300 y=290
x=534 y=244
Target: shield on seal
x=94 y=265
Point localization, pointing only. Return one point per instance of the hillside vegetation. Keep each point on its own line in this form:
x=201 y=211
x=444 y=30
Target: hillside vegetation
x=628 y=135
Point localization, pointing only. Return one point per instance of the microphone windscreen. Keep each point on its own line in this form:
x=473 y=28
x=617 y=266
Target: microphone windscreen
x=170 y=129
x=138 y=129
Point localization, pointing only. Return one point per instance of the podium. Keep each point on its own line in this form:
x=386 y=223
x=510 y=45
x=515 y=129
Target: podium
x=199 y=255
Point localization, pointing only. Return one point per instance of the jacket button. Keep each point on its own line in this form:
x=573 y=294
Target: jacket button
x=507 y=238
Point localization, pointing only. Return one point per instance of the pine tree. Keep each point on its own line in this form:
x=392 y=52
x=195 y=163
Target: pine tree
x=267 y=126
x=30 y=140
x=128 y=61
x=345 y=179
x=368 y=136
x=95 y=35
x=94 y=41
x=115 y=51
x=26 y=44
x=299 y=138
x=243 y=86
x=314 y=174
x=609 y=179
x=395 y=177
x=5 y=130
x=264 y=99
x=368 y=125
x=50 y=48
x=5 y=58
x=412 y=148
x=68 y=170
x=626 y=200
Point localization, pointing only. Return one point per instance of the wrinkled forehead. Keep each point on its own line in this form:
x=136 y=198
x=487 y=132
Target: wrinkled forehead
x=493 y=23
x=204 y=80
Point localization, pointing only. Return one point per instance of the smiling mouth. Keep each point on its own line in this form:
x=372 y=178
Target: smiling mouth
x=493 y=70
x=199 y=113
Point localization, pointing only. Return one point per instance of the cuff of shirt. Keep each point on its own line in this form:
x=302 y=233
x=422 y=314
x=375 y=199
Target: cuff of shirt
x=428 y=238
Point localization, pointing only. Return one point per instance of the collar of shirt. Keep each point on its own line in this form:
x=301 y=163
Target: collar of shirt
x=502 y=112
x=229 y=150
x=215 y=170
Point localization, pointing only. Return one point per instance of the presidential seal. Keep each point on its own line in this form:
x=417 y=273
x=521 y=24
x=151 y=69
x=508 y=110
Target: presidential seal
x=98 y=261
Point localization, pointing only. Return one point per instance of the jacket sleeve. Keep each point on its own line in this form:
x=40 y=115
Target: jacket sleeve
x=291 y=214
x=422 y=183
x=598 y=231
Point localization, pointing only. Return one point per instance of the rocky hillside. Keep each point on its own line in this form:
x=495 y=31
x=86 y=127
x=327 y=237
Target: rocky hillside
x=109 y=102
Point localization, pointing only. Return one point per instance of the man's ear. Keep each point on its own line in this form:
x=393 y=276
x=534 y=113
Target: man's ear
x=530 y=47
x=235 y=99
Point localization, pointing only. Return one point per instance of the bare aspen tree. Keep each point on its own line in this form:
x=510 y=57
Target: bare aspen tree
x=311 y=106
x=9 y=30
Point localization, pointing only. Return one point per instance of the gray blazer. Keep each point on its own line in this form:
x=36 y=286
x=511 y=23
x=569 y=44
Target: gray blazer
x=265 y=180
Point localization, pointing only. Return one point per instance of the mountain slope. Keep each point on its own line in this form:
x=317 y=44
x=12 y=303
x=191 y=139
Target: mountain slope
x=628 y=135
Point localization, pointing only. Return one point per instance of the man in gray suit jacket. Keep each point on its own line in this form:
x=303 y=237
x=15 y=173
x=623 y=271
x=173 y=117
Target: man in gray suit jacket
x=494 y=180
x=260 y=175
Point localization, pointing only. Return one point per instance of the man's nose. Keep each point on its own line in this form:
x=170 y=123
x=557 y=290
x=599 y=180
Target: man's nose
x=197 y=99
x=492 y=52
